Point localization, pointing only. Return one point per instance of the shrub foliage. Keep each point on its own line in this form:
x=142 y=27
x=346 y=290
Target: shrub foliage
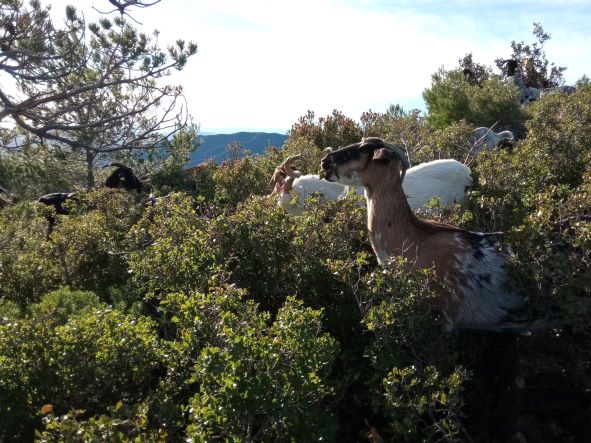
x=212 y=315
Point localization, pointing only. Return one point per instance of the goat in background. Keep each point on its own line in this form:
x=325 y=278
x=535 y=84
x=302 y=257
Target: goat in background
x=447 y=179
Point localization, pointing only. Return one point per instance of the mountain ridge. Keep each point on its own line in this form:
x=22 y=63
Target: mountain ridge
x=214 y=146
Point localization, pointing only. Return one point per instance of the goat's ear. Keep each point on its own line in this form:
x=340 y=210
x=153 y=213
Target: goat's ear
x=383 y=154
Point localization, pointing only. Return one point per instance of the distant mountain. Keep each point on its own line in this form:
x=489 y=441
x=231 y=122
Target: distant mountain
x=214 y=146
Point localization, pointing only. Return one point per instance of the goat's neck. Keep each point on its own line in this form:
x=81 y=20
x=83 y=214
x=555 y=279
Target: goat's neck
x=393 y=227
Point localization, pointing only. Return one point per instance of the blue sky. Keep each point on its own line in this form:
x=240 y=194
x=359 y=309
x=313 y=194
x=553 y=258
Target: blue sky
x=262 y=64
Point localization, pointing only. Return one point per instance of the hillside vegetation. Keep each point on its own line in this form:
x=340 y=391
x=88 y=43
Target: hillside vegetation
x=210 y=314
x=214 y=315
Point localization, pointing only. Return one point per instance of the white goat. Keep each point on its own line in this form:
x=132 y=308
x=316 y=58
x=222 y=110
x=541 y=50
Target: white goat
x=485 y=138
x=446 y=179
x=479 y=297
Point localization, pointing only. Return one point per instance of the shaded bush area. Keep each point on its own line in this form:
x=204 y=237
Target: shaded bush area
x=452 y=97
x=213 y=315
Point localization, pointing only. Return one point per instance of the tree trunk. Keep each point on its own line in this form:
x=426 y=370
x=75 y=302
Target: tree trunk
x=89 y=168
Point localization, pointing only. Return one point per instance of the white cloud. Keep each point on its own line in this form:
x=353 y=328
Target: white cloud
x=263 y=64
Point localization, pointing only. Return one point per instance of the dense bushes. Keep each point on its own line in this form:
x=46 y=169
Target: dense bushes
x=42 y=250
x=214 y=315
x=262 y=383
x=452 y=98
x=97 y=357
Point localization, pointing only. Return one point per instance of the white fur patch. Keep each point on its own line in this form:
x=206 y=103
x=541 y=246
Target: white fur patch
x=446 y=179
x=294 y=202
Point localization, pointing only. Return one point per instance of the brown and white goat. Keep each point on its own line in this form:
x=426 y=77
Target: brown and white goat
x=469 y=261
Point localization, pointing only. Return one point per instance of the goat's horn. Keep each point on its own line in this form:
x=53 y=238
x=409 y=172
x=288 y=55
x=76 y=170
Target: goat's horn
x=287 y=165
x=289 y=160
x=402 y=153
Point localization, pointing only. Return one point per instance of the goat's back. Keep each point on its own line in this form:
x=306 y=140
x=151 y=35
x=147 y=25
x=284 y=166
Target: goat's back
x=446 y=179
x=307 y=185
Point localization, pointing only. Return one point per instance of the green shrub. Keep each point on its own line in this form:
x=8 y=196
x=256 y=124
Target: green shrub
x=452 y=141
x=424 y=405
x=394 y=301
x=36 y=170
x=310 y=154
x=57 y=306
x=264 y=383
x=84 y=249
x=408 y=129
x=27 y=269
x=551 y=252
x=171 y=248
x=203 y=181
x=245 y=305
x=555 y=154
x=9 y=310
x=237 y=180
x=88 y=252
x=88 y=363
x=273 y=255
x=334 y=130
x=170 y=162
x=124 y=424
x=558 y=145
x=452 y=98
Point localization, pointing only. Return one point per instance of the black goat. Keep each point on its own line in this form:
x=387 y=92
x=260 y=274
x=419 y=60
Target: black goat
x=512 y=66
x=56 y=199
x=122 y=177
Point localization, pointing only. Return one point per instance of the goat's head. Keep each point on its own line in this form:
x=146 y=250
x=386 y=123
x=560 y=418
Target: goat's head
x=354 y=164
x=281 y=173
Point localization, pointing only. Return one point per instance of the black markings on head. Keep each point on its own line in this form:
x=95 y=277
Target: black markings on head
x=351 y=152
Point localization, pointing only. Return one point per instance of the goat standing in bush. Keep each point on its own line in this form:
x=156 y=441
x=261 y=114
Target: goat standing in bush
x=286 y=180
x=122 y=177
x=447 y=179
x=485 y=138
x=471 y=262
x=56 y=199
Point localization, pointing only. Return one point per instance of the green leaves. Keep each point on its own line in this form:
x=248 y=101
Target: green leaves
x=109 y=109
x=212 y=314
x=452 y=98
x=264 y=383
x=90 y=361
x=423 y=404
